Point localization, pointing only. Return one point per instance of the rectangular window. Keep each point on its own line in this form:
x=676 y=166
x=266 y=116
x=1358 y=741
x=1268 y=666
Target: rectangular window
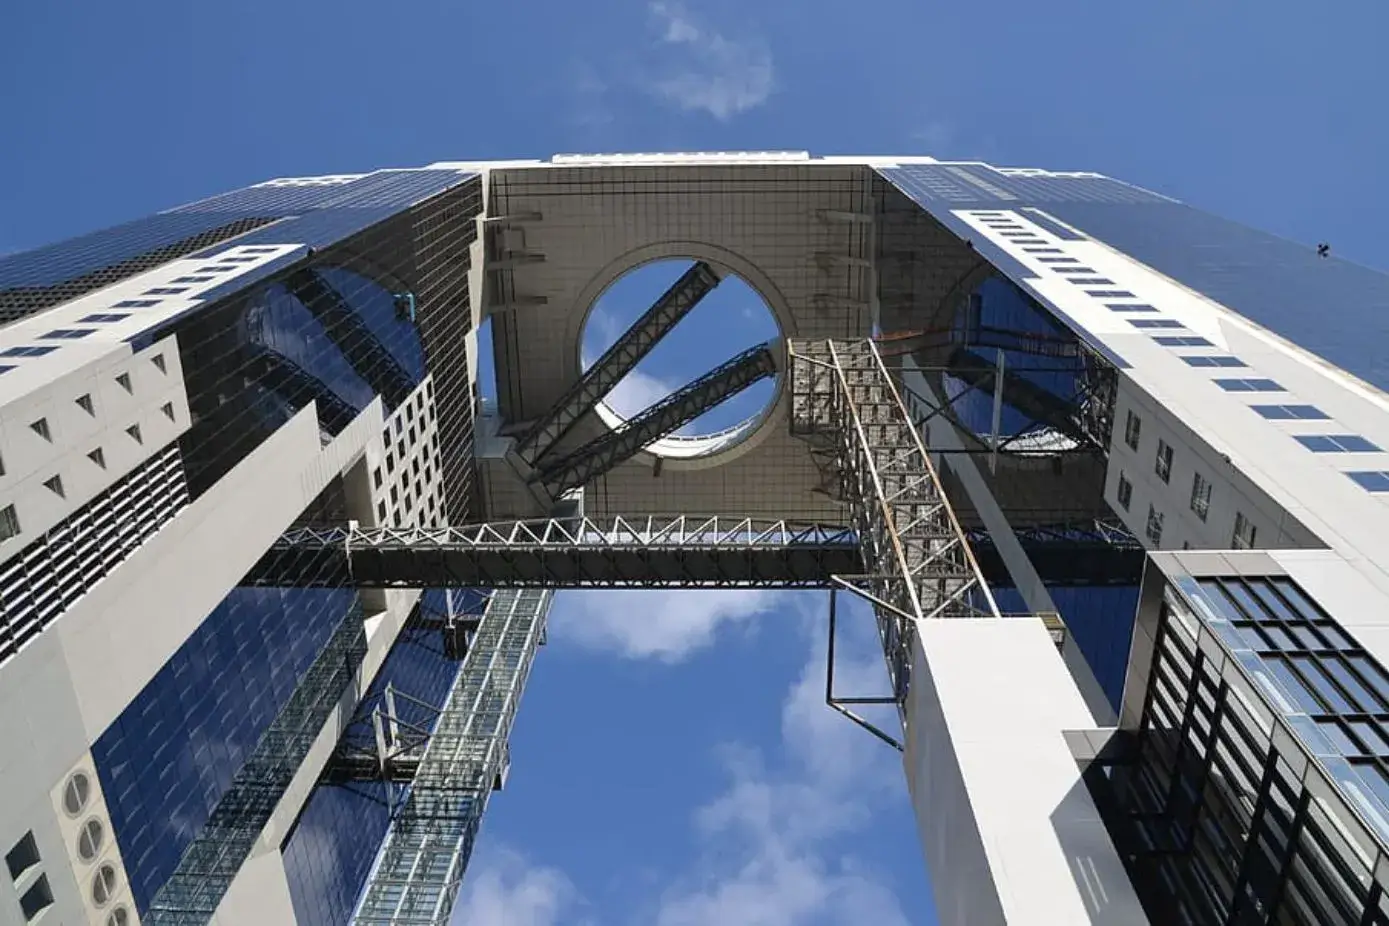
x=1163 y=466
x=1092 y=281
x=1336 y=443
x=1153 y=530
x=1110 y=294
x=135 y=303
x=1200 y=496
x=1291 y=412
x=103 y=317
x=1216 y=361
x=1181 y=340
x=1129 y=307
x=166 y=290
x=1155 y=323
x=1077 y=269
x=1125 y=491
x=1058 y=260
x=1042 y=250
x=191 y=280
x=1133 y=429
x=68 y=334
x=1245 y=533
x=1371 y=481
x=30 y=350
x=1249 y=385
x=9 y=523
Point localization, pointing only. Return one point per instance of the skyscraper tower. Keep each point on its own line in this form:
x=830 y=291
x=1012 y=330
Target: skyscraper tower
x=1108 y=469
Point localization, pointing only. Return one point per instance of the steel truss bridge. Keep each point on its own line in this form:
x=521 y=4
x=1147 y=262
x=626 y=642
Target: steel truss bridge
x=900 y=548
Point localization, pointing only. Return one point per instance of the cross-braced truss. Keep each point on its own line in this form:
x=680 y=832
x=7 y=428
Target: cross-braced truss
x=917 y=560
x=566 y=553
x=619 y=360
x=660 y=420
x=421 y=865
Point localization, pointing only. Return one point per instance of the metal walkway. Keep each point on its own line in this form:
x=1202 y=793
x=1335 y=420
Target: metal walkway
x=672 y=551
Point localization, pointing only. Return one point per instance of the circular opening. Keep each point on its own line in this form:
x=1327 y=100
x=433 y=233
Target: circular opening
x=90 y=841
x=103 y=885
x=731 y=318
x=76 y=793
x=119 y=917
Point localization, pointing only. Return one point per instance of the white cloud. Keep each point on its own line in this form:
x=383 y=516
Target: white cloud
x=504 y=889
x=665 y=625
x=707 y=71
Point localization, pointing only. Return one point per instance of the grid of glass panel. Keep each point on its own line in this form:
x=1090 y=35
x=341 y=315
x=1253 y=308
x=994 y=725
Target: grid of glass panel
x=1241 y=802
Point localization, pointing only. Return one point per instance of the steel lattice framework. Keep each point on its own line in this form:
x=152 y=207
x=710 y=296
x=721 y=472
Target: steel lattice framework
x=421 y=865
x=567 y=553
x=619 y=360
x=660 y=420
x=917 y=560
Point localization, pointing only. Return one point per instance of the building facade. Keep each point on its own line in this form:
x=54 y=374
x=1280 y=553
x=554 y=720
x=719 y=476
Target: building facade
x=1162 y=431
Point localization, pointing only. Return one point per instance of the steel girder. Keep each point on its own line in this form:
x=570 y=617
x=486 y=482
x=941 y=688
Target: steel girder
x=674 y=551
x=287 y=379
x=619 y=360
x=660 y=420
x=1021 y=393
x=916 y=558
x=422 y=862
x=350 y=334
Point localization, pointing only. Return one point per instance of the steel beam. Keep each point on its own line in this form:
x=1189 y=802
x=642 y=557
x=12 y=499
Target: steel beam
x=674 y=551
x=350 y=334
x=660 y=420
x=619 y=360
x=426 y=851
x=288 y=380
x=917 y=560
x=1020 y=393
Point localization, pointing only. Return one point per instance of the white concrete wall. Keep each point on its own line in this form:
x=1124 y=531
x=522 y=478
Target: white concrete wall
x=1010 y=832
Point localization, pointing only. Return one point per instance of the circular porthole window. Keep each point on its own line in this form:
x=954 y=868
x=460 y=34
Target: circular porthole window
x=119 y=917
x=104 y=885
x=76 y=793
x=91 y=839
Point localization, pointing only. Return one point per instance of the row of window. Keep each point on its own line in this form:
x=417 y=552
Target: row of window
x=1201 y=488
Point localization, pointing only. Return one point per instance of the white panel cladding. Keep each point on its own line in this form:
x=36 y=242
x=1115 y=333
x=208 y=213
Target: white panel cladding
x=1010 y=832
x=258 y=894
x=88 y=869
x=407 y=481
x=174 y=580
x=76 y=429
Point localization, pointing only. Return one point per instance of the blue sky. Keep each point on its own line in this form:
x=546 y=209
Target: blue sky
x=673 y=763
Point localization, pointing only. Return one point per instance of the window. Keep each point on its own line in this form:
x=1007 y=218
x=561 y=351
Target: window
x=84 y=402
x=1111 y=294
x=1200 y=496
x=9 y=523
x=1249 y=385
x=1077 y=269
x=124 y=380
x=1125 y=491
x=237 y=260
x=1291 y=412
x=76 y=793
x=91 y=840
x=23 y=856
x=166 y=291
x=1058 y=260
x=1153 y=529
x=6 y=367
x=1181 y=340
x=376 y=477
x=1215 y=361
x=2 y=466
x=168 y=409
x=214 y=269
x=103 y=317
x=1245 y=533
x=159 y=364
x=1042 y=250
x=68 y=334
x=135 y=303
x=1129 y=307
x=120 y=916
x=40 y=428
x=1133 y=429
x=55 y=485
x=1155 y=323
x=98 y=456
x=1371 y=481
x=37 y=899
x=104 y=884
x=134 y=432
x=29 y=350
x=1336 y=443
x=191 y=280
x=1163 y=466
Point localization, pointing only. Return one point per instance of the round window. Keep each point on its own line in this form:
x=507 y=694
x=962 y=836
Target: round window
x=76 y=793
x=90 y=841
x=103 y=885
x=119 y=917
